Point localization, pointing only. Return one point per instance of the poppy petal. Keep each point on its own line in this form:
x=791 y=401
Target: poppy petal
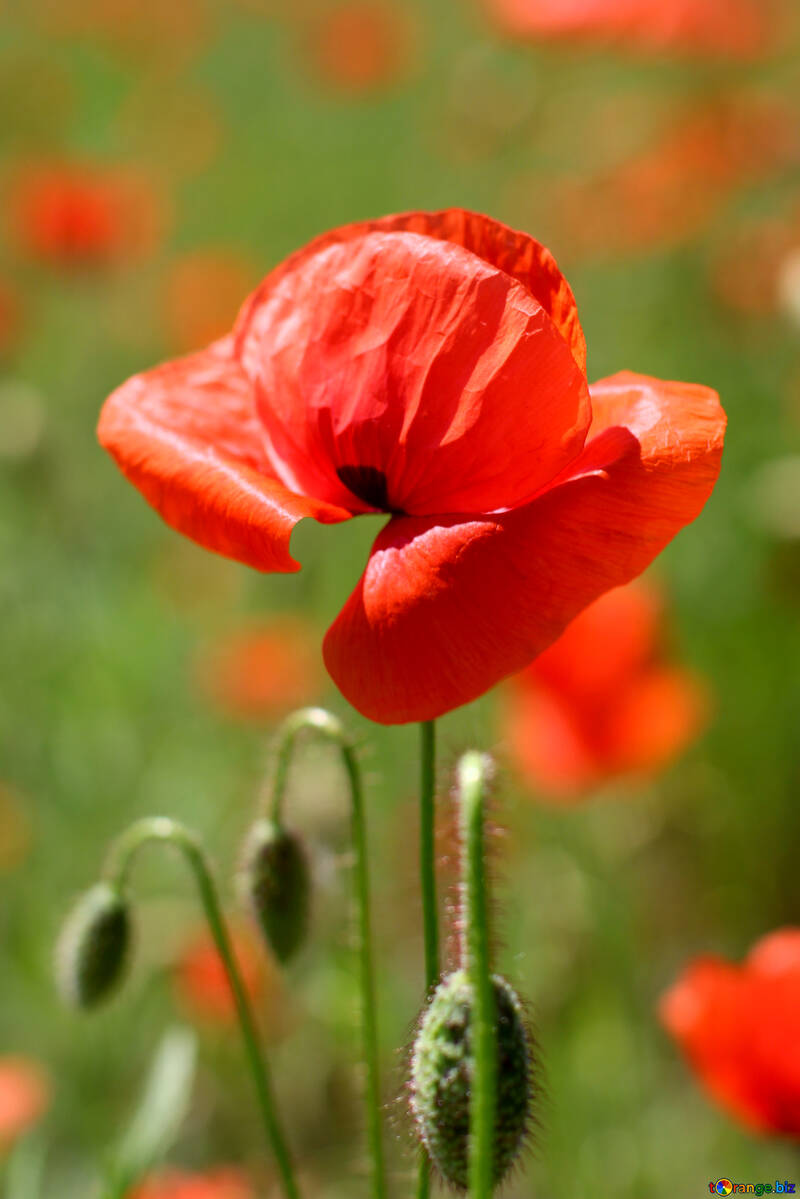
x=735 y=28
x=709 y=1013
x=511 y=251
x=549 y=746
x=447 y=607
x=776 y=954
x=407 y=373
x=187 y=435
x=655 y=720
x=607 y=647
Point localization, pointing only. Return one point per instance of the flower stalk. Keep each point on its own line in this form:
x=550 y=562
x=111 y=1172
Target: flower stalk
x=318 y=721
x=474 y=773
x=170 y=832
x=427 y=875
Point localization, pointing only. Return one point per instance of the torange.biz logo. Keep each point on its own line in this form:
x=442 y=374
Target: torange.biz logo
x=724 y=1186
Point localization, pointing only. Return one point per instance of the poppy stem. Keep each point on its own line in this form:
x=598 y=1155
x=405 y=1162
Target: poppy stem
x=474 y=773
x=427 y=874
x=326 y=725
x=159 y=828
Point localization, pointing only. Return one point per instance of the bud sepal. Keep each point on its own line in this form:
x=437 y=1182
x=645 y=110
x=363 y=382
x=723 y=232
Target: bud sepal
x=94 y=947
x=275 y=882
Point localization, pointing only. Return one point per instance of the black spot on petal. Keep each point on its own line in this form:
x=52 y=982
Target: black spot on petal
x=368 y=484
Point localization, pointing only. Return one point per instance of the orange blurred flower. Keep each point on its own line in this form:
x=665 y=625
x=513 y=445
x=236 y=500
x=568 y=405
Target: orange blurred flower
x=739 y=1029
x=600 y=702
x=360 y=45
x=225 y=1182
x=74 y=215
x=24 y=1097
x=735 y=28
x=264 y=670
x=201 y=984
x=203 y=295
x=673 y=188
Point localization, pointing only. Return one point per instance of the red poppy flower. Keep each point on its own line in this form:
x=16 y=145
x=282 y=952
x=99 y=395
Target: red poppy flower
x=430 y=366
x=24 y=1096
x=201 y=984
x=739 y=1028
x=73 y=215
x=360 y=46
x=221 y=1183
x=263 y=671
x=676 y=185
x=600 y=702
x=736 y=28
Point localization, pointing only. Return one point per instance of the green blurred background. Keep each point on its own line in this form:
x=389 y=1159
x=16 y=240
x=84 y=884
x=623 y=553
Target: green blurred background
x=254 y=129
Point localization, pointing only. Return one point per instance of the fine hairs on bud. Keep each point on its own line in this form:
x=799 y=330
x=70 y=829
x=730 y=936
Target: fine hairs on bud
x=93 y=948
x=275 y=883
x=442 y=1068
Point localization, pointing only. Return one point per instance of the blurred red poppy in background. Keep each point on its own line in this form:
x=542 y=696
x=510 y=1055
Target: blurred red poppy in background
x=201 y=984
x=360 y=46
x=736 y=28
x=72 y=215
x=430 y=366
x=739 y=1028
x=263 y=671
x=601 y=702
x=676 y=185
x=224 y=1182
x=24 y=1097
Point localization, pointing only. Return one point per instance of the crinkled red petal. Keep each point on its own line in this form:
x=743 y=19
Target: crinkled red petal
x=446 y=607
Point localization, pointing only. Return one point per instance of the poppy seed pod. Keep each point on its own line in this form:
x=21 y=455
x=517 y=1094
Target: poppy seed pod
x=92 y=950
x=442 y=1067
x=275 y=883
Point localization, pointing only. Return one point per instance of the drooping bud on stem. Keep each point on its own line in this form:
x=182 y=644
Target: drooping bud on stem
x=471 y=1066
x=278 y=884
x=274 y=880
x=93 y=949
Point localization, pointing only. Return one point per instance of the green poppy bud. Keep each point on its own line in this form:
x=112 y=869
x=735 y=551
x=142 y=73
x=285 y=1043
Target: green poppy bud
x=92 y=951
x=276 y=884
x=442 y=1068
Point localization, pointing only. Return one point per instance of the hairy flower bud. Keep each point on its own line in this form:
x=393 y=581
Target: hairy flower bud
x=442 y=1067
x=92 y=950
x=275 y=883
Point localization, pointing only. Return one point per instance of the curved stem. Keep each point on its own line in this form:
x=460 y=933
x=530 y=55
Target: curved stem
x=427 y=874
x=474 y=771
x=322 y=722
x=120 y=859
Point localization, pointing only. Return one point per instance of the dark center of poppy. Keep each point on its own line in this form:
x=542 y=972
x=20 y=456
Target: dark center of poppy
x=368 y=483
